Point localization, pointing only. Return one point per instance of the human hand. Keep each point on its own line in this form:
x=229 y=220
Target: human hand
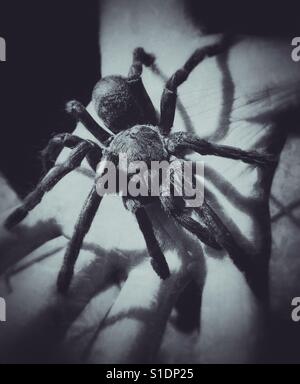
x=252 y=109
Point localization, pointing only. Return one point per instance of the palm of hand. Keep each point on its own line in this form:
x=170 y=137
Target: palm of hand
x=238 y=192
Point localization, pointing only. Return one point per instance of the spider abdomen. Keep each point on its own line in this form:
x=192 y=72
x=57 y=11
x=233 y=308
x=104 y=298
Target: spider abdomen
x=122 y=103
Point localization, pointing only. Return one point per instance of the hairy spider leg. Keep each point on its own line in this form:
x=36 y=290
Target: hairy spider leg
x=213 y=232
x=222 y=234
x=175 y=207
x=178 y=142
x=65 y=140
x=169 y=96
x=158 y=260
x=175 y=210
x=55 y=146
x=218 y=230
x=79 y=112
x=48 y=182
x=140 y=58
x=134 y=80
x=82 y=227
x=215 y=228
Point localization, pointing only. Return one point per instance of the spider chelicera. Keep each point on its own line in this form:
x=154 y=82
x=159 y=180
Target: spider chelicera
x=132 y=127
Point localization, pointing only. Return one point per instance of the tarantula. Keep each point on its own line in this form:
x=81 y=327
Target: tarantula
x=132 y=127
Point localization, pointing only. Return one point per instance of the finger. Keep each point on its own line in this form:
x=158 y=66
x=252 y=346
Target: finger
x=37 y=317
x=80 y=335
x=133 y=328
x=34 y=231
x=233 y=321
x=132 y=331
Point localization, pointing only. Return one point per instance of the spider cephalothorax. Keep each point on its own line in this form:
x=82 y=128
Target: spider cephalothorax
x=132 y=126
x=140 y=143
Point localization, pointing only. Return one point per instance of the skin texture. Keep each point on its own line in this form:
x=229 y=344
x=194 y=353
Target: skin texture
x=98 y=316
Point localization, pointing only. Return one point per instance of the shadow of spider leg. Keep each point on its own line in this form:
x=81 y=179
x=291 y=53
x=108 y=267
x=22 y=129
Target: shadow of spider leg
x=244 y=260
x=50 y=180
x=11 y=272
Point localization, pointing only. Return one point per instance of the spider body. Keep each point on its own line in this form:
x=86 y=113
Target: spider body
x=123 y=104
x=133 y=127
x=140 y=143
